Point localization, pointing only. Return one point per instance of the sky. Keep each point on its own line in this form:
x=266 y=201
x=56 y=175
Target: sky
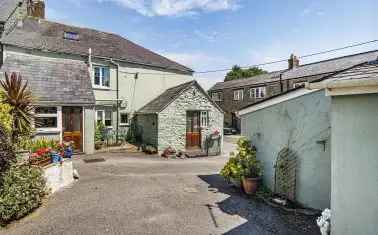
x=217 y=34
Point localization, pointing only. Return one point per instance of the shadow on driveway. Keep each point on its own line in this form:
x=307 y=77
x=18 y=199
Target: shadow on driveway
x=261 y=218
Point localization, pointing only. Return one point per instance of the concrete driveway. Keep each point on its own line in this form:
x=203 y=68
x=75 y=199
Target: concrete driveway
x=148 y=195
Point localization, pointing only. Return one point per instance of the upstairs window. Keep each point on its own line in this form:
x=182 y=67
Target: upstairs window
x=257 y=92
x=238 y=95
x=124 y=119
x=216 y=96
x=299 y=84
x=102 y=76
x=71 y=36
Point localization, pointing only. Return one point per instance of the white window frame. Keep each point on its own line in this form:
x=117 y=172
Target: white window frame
x=238 y=95
x=204 y=117
x=102 y=76
x=255 y=92
x=103 y=115
x=298 y=84
x=57 y=115
x=216 y=96
x=120 y=119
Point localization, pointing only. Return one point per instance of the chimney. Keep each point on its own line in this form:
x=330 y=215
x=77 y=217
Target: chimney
x=293 y=61
x=37 y=9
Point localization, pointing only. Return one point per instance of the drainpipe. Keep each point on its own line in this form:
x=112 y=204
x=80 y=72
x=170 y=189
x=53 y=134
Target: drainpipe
x=281 y=83
x=117 y=94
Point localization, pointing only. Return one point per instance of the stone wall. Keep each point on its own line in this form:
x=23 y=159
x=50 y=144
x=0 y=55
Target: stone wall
x=172 y=120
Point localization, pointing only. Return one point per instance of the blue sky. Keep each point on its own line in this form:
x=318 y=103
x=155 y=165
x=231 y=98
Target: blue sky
x=213 y=34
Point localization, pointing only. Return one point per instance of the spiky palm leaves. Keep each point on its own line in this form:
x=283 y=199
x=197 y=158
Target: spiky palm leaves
x=17 y=95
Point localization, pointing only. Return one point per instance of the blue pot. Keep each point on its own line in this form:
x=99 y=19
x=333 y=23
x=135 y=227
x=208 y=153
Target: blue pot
x=68 y=152
x=56 y=158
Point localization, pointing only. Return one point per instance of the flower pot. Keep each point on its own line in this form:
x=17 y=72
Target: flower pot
x=235 y=182
x=250 y=185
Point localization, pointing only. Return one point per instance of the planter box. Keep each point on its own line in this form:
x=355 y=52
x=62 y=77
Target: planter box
x=59 y=175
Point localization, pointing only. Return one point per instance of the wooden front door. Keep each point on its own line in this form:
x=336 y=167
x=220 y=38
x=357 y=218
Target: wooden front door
x=193 y=130
x=72 y=120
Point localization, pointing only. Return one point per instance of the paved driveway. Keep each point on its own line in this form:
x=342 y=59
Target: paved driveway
x=145 y=195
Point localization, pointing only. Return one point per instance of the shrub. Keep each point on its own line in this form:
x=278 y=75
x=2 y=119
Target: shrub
x=7 y=155
x=5 y=117
x=22 y=191
x=99 y=134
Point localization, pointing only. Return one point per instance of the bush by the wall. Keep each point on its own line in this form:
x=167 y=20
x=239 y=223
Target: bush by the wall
x=21 y=192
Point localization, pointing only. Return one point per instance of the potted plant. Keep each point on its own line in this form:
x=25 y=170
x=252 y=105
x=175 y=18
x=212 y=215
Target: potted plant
x=251 y=169
x=232 y=172
x=251 y=174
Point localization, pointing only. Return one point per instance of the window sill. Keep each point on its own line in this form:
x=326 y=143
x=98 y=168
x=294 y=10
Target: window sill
x=124 y=124
x=105 y=88
x=48 y=131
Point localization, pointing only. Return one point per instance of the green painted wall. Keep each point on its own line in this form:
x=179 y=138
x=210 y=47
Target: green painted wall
x=355 y=165
x=298 y=123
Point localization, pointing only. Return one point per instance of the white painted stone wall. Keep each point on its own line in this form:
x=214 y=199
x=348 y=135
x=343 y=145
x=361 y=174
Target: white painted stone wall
x=59 y=176
x=172 y=120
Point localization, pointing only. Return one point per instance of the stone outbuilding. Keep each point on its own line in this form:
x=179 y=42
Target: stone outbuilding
x=183 y=117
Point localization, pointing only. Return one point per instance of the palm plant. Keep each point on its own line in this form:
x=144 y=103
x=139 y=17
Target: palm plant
x=19 y=97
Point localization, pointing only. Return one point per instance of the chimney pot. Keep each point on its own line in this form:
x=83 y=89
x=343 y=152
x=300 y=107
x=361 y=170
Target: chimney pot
x=37 y=9
x=293 y=61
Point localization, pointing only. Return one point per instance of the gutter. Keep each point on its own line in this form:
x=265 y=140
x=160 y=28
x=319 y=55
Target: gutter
x=190 y=71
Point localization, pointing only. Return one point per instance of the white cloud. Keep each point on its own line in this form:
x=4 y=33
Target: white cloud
x=201 y=62
x=176 y=7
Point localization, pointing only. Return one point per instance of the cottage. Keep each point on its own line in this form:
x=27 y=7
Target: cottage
x=182 y=117
x=81 y=77
x=354 y=115
x=232 y=96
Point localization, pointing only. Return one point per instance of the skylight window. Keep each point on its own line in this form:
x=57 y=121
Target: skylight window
x=71 y=36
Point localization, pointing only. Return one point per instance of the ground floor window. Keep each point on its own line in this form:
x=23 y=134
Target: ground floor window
x=124 y=119
x=204 y=118
x=104 y=117
x=46 y=117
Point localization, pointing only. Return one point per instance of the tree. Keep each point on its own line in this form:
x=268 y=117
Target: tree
x=16 y=94
x=239 y=73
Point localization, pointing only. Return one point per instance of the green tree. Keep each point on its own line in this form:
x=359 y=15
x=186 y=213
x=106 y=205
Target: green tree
x=239 y=73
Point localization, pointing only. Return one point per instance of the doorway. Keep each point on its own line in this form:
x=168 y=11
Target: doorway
x=72 y=124
x=193 y=130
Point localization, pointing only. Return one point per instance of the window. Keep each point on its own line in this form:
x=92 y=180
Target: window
x=238 y=95
x=204 y=118
x=46 y=117
x=108 y=118
x=257 y=92
x=102 y=76
x=124 y=119
x=216 y=96
x=104 y=117
x=71 y=36
x=299 y=84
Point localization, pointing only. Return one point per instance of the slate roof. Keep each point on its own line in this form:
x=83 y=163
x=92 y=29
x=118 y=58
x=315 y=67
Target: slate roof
x=312 y=71
x=48 y=36
x=366 y=71
x=162 y=101
x=6 y=8
x=53 y=81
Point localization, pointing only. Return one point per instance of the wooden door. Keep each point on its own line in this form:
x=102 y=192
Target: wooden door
x=193 y=130
x=72 y=118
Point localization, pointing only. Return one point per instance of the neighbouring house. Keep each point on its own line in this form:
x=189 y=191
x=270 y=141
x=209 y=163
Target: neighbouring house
x=81 y=76
x=182 y=118
x=298 y=120
x=354 y=158
x=231 y=96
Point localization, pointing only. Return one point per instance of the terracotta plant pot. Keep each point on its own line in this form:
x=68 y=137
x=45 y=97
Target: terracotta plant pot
x=250 y=185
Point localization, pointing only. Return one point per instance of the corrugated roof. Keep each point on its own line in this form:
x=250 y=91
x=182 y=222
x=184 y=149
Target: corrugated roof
x=6 y=8
x=53 y=81
x=45 y=35
x=312 y=71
